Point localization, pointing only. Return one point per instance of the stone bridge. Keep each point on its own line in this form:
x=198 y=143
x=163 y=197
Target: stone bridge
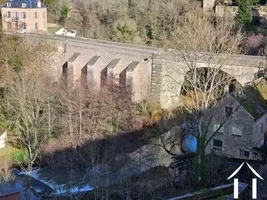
x=148 y=73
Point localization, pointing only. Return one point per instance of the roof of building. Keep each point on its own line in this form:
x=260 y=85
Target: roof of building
x=252 y=99
x=11 y=196
x=18 y=4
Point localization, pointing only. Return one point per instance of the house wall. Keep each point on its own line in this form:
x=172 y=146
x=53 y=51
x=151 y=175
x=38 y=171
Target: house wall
x=30 y=20
x=226 y=11
x=260 y=128
x=208 y=4
x=240 y=122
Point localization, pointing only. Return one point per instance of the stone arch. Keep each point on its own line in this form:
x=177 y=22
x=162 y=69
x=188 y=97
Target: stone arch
x=229 y=82
x=173 y=75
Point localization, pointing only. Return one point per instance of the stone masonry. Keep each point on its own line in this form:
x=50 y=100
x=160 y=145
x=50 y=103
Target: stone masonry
x=147 y=73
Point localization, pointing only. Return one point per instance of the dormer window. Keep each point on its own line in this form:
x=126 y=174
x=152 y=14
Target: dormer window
x=23 y=5
x=8 y=4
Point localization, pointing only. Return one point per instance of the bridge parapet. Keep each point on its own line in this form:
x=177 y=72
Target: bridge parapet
x=160 y=72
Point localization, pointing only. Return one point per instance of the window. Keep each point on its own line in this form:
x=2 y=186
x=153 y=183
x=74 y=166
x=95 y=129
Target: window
x=35 y=15
x=217 y=144
x=23 y=5
x=258 y=129
x=44 y=24
x=8 y=4
x=36 y=26
x=216 y=126
x=255 y=155
x=44 y=14
x=24 y=26
x=265 y=121
x=244 y=153
x=228 y=111
x=236 y=131
x=8 y=14
x=23 y=15
x=261 y=128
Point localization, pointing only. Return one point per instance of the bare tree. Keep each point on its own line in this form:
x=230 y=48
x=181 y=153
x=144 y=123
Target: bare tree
x=29 y=108
x=202 y=39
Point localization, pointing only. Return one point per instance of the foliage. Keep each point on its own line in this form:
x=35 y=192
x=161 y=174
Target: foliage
x=3 y=125
x=28 y=107
x=19 y=156
x=51 y=4
x=124 y=30
x=197 y=33
x=263 y=2
x=244 y=13
x=153 y=21
x=64 y=13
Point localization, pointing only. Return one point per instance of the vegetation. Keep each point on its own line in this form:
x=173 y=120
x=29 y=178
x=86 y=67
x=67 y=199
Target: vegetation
x=64 y=13
x=244 y=13
x=80 y=129
x=203 y=86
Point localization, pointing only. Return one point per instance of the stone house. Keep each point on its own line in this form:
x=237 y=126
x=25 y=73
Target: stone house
x=245 y=128
x=24 y=16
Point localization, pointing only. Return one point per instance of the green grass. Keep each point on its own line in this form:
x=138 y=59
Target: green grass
x=263 y=90
x=253 y=97
x=19 y=156
x=52 y=29
x=8 y=150
x=13 y=153
x=220 y=198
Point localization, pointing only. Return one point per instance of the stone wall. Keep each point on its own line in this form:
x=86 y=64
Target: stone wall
x=240 y=122
x=226 y=11
x=173 y=69
x=147 y=72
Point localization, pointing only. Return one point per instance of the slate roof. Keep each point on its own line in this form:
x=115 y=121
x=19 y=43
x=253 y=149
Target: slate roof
x=252 y=100
x=18 y=4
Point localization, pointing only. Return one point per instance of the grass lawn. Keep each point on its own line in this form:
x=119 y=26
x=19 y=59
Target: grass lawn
x=8 y=150
x=52 y=29
x=13 y=153
x=263 y=90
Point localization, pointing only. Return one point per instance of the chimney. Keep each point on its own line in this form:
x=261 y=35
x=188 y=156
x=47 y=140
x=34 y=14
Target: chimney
x=39 y=3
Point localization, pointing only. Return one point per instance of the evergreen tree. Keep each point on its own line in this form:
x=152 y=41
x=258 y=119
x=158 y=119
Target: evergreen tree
x=244 y=13
x=263 y=2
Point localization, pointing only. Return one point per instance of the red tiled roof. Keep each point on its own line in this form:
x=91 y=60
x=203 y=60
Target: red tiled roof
x=12 y=196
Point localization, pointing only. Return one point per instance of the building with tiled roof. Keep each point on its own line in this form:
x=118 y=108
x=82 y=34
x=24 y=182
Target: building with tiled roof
x=24 y=16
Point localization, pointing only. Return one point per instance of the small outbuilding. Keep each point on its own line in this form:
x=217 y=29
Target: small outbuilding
x=66 y=32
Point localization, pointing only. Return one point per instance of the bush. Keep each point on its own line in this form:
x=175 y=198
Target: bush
x=19 y=156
